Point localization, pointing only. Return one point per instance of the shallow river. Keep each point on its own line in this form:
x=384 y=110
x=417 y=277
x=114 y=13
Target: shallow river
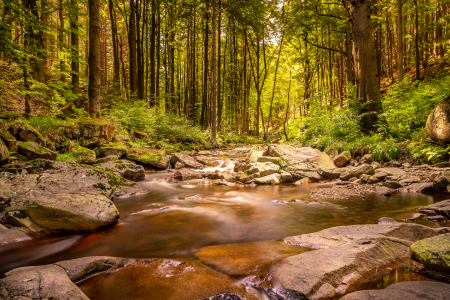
x=176 y=220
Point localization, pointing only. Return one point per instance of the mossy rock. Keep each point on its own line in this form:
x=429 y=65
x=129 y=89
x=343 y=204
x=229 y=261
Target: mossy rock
x=432 y=256
x=152 y=157
x=112 y=149
x=98 y=128
x=29 y=134
x=32 y=150
x=10 y=141
x=84 y=155
x=4 y=153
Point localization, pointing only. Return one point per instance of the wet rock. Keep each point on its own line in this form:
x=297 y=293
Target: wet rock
x=4 y=153
x=9 y=140
x=423 y=187
x=441 y=182
x=112 y=149
x=84 y=155
x=328 y=173
x=431 y=257
x=286 y=177
x=264 y=169
x=24 y=223
x=228 y=176
x=386 y=220
x=356 y=172
x=332 y=153
x=411 y=290
x=391 y=171
x=205 y=152
x=186 y=174
x=346 y=254
x=207 y=161
x=438 y=127
x=66 y=212
x=367 y=159
x=303 y=159
x=273 y=179
x=303 y=181
x=223 y=297
x=342 y=159
x=8 y=236
x=42 y=282
x=81 y=268
x=392 y=184
x=155 y=158
x=441 y=208
x=186 y=161
x=407 y=180
x=124 y=168
x=375 y=165
x=32 y=150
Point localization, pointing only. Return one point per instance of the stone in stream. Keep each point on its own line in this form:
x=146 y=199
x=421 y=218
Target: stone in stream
x=184 y=174
x=329 y=173
x=264 y=169
x=356 y=172
x=410 y=290
x=441 y=208
x=185 y=160
x=255 y=153
x=342 y=159
x=32 y=150
x=432 y=257
x=302 y=159
x=153 y=157
x=207 y=161
x=8 y=236
x=273 y=179
x=64 y=212
x=346 y=255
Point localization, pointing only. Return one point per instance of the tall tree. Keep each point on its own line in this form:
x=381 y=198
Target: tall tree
x=94 y=59
x=132 y=47
x=400 y=40
x=75 y=49
x=213 y=75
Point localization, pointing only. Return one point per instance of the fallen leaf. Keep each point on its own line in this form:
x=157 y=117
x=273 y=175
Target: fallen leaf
x=29 y=279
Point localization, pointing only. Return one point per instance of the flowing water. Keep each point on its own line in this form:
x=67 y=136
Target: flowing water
x=177 y=220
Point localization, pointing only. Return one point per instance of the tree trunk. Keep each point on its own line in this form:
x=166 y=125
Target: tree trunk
x=203 y=118
x=94 y=59
x=61 y=41
x=400 y=40
x=367 y=87
x=132 y=48
x=152 y=56
x=75 y=49
x=287 y=106
x=213 y=76
x=416 y=40
x=116 y=61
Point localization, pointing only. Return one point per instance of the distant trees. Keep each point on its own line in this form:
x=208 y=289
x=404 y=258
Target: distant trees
x=94 y=59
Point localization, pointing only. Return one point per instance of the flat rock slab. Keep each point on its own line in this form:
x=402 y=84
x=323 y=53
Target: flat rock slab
x=432 y=257
x=8 y=236
x=391 y=171
x=441 y=208
x=302 y=159
x=412 y=290
x=346 y=254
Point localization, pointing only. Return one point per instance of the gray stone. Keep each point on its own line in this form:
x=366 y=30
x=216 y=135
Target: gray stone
x=186 y=161
x=342 y=159
x=441 y=182
x=264 y=169
x=207 y=161
x=356 y=172
x=84 y=155
x=112 y=149
x=412 y=290
x=9 y=140
x=345 y=254
x=32 y=150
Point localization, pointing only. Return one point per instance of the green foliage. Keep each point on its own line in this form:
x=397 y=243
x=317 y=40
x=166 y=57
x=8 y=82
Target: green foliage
x=67 y=157
x=47 y=124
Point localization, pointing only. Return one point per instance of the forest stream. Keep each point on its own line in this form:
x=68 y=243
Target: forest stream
x=232 y=230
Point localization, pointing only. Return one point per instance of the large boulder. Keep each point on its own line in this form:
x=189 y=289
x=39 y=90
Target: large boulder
x=255 y=153
x=356 y=172
x=25 y=132
x=263 y=169
x=273 y=179
x=441 y=182
x=411 y=290
x=124 y=168
x=345 y=255
x=185 y=160
x=32 y=150
x=98 y=129
x=207 y=161
x=432 y=257
x=302 y=159
x=112 y=149
x=66 y=212
x=342 y=159
x=42 y=282
x=186 y=174
x=4 y=153
x=153 y=157
x=438 y=122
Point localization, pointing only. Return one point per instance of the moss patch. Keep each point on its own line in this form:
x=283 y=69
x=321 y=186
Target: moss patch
x=146 y=156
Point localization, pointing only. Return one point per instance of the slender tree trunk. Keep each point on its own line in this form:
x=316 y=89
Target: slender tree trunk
x=132 y=47
x=158 y=57
x=94 y=59
x=400 y=40
x=416 y=40
x=287 y=106
x=75 y=50
x=213 y=76
x=219 y=90
x=152 y=56
x=61 y=41
x=26 y=43
x=367 y=88
x=203 y=118
x=116 y=62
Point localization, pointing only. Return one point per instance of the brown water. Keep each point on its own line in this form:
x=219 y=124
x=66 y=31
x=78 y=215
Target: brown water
x=176 y=220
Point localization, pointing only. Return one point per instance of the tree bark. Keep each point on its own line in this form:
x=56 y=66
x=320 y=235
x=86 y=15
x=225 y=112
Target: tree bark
x=367 y=84
x=74 y=50
x=132 y=48
x=152 y=56
x=416 y=40
x=94 y=59
x=400 y=40
x=61 y=41
x=116 y=61
x=213 y=76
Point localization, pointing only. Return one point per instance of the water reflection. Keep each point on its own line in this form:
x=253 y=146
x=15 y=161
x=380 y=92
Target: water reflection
x=176 y=220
